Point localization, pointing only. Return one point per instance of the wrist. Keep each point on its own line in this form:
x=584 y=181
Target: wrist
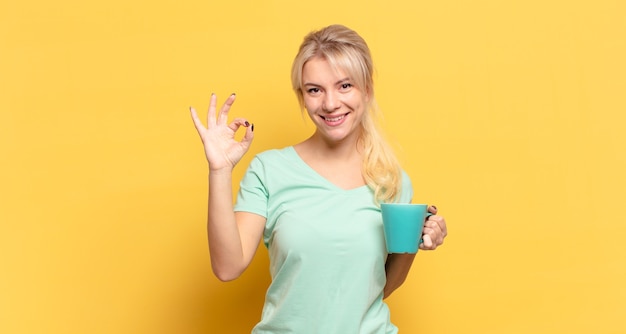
x=221 y=171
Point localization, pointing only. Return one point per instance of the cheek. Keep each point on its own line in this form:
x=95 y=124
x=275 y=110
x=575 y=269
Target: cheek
x=310 y=105
x=357 y=105
x=355 y=100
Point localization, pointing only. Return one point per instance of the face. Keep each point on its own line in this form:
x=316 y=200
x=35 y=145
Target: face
x=333 y=103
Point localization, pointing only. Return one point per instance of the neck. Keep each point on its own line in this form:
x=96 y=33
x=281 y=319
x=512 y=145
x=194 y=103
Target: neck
x=342 y=149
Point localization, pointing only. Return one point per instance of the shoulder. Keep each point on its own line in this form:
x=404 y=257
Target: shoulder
x=275 y=154
x=274 y=159
x=274 y=169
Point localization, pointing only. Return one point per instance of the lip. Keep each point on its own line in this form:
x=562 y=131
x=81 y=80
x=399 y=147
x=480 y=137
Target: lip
x=334 y=120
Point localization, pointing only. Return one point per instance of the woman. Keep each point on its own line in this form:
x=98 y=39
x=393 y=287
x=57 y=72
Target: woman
x=316 y=203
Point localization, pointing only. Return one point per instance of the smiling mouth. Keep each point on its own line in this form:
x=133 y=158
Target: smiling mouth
x=334 y=119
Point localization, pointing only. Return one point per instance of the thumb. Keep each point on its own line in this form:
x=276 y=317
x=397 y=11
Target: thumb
x=248 y=136
x=428 y=242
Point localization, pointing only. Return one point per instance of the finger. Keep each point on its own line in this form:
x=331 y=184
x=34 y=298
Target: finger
x=237 y=123
x=222 y=118
x=248 y=135
x=247 y=138
x=432 y=226
x=441 y=222
x=211 y=114
x=428 y=243
x=432 y=209
x=435 y=233
x=196 y=121
x=443 y=226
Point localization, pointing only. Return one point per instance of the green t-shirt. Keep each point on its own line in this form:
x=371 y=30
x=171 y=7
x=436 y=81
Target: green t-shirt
x=326 y=248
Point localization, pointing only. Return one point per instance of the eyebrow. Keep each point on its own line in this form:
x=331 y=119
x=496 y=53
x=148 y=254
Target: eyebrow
x=340 y=81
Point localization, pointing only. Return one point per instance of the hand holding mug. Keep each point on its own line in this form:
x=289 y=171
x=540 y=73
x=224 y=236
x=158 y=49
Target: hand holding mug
x=435 y=230
x=408 y=227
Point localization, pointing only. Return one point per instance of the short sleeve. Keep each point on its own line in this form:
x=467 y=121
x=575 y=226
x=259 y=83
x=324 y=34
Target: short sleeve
x=253 y=196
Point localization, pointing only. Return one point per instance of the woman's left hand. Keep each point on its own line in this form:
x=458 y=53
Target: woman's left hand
x=435 y=230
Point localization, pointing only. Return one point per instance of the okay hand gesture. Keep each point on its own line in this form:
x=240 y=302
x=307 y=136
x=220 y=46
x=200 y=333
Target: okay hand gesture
x=222 y=151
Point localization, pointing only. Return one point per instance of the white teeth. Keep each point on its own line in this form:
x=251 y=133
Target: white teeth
x=336 y=119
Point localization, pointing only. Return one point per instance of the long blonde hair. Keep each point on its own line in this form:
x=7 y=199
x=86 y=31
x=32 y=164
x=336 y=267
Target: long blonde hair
x=343 y=48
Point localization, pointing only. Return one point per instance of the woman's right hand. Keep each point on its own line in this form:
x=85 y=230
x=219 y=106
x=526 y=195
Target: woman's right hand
x=218 y=137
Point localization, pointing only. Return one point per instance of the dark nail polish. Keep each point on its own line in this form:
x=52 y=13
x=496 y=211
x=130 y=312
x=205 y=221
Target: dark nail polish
x=434 y=207
x=252 y=128
x=233 y=94
x=246 y=124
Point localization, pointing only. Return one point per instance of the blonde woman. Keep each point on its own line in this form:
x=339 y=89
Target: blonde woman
x=315 y=204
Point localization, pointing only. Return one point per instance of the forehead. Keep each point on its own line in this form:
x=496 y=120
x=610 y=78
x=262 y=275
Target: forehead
x=318 y=70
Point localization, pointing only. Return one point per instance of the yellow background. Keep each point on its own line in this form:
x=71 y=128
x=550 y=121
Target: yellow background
x=508 y=115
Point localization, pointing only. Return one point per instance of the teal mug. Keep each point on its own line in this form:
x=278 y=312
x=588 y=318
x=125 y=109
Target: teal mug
x=403 y=224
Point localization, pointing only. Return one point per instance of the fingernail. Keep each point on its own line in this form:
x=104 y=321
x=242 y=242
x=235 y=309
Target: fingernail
x=252 y=128
x=434 y=207
x=233 y=94
x=246 y=124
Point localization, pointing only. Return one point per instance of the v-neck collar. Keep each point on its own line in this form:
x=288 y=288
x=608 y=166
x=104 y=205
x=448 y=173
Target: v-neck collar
x=317 y=175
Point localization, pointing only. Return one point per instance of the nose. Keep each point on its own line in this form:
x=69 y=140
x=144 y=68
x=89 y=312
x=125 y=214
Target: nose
x=331 y=102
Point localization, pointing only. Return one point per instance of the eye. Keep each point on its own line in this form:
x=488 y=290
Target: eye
x=313 y=90
x=346 y=85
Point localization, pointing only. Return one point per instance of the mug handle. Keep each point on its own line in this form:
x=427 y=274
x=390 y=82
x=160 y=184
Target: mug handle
x=428 y=214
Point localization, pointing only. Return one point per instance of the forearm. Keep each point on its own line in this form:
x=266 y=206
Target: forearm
x=223 y=234
x=397 y=269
